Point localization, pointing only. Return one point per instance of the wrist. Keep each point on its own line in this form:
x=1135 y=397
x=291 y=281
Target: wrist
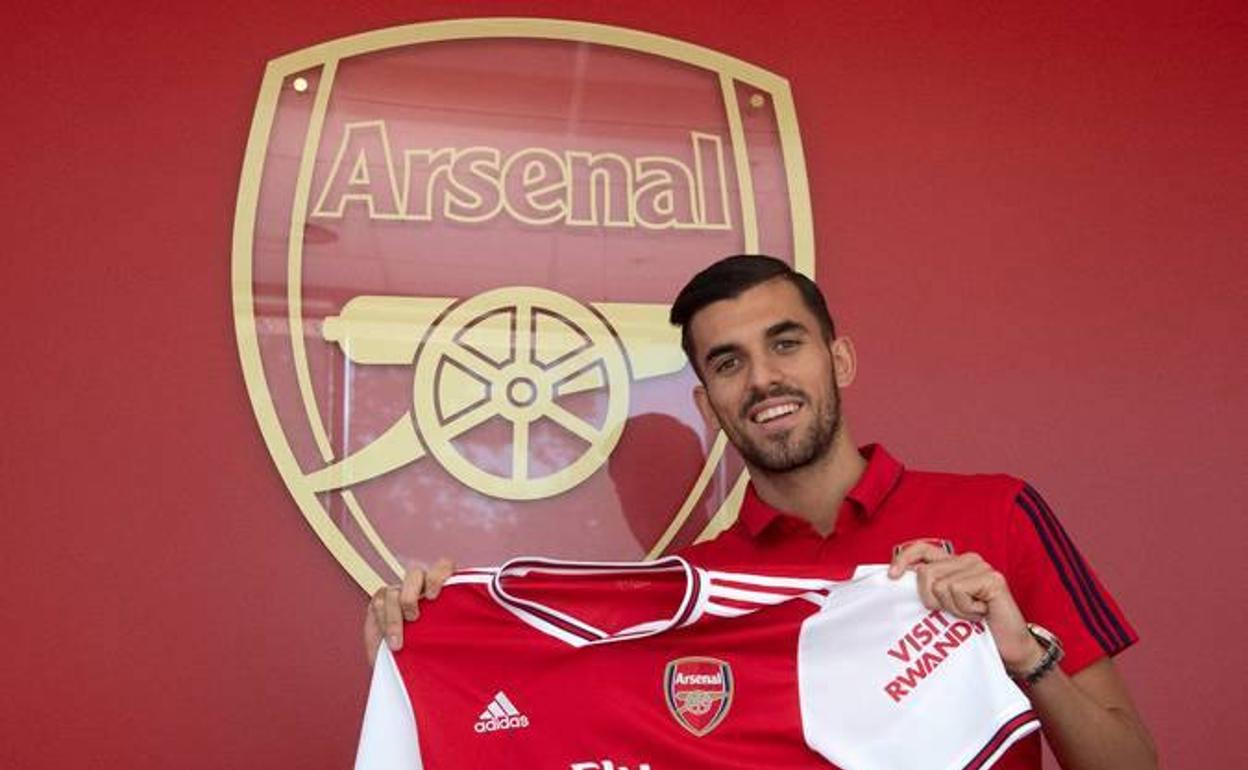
x=1024 y=656
x=1033 y=668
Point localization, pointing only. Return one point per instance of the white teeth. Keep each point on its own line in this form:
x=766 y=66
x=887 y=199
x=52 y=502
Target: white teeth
x=768 y=415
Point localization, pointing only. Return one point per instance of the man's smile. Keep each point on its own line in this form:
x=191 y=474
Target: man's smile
x=774 y=411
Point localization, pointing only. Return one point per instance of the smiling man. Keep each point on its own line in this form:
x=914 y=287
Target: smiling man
x=985 y=548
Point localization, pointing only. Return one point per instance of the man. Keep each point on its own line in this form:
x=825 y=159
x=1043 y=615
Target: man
x=987 y=548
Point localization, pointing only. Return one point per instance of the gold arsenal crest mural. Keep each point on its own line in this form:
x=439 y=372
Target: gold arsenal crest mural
x=454 y=248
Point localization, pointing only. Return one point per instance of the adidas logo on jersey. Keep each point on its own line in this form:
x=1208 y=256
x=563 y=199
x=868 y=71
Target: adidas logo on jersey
x=500 y=714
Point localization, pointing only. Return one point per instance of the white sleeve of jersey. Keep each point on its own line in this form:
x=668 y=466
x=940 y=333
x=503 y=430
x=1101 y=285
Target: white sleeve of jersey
x=388 y=740
x=886 y=684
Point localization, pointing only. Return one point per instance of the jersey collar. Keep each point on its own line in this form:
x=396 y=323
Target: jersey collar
x=578 y=633
x=878 y=480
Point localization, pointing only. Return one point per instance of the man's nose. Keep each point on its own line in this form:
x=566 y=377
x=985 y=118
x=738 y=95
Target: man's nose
x=763 y=374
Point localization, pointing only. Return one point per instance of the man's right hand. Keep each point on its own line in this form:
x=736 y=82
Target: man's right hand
x=393 y=604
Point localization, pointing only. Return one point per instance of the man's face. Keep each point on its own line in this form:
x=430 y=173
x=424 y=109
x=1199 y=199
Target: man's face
x=769 y=378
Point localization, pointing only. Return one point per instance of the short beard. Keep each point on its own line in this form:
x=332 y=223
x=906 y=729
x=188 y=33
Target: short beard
x=781 y=456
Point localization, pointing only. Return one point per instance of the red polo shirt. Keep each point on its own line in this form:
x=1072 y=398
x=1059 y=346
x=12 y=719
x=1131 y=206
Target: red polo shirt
x=999 y=517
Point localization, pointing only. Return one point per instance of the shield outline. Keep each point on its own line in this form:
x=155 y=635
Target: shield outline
x=725 y=703
x=326 y=55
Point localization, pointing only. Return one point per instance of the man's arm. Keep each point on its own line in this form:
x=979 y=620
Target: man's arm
x=1090 y=720
x=393 y=604
x=1089 y=717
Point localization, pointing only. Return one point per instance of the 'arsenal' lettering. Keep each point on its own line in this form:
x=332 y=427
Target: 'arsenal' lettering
x=533 y=185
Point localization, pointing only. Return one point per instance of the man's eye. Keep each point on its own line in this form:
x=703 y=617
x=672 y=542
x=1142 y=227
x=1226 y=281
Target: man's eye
x=725 y=365
x=788 y=344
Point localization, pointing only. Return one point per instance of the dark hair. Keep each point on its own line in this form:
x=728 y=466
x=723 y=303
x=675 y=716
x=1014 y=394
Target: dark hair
x=729 y=278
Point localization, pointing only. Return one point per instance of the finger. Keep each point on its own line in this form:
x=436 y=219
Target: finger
x=959 y=575
x=393 y=618
x=936 y=541
x=436 y=576
x=924 y=580
x=936 y=580
x=966 y=602
x=410 y=593
x=943 y=590
x=965 y=566
x=973 y=588
x=907 y=555
x=372 y=624
x=990 y=587
x=378 y=626
x=372 y=636
x=377 y=612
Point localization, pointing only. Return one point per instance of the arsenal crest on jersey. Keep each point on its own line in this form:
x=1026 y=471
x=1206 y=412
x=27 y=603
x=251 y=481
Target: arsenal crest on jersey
x=698 y=692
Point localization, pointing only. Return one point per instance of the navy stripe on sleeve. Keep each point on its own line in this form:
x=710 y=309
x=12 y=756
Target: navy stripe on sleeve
x=1077 y=596
x=1109 y=623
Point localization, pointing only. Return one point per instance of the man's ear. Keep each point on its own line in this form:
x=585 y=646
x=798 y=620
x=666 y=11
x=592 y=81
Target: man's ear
x=844 y=361
x=703 y=402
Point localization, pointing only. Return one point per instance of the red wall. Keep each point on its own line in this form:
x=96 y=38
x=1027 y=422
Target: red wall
x=1031 y=221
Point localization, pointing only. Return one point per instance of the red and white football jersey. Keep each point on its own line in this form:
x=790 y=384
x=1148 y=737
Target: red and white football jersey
x=581 y=666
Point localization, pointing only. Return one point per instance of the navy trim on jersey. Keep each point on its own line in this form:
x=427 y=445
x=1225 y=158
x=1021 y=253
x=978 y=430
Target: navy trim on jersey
x=1076 y=596
x=578 y=628
x=1119 y=633
x=535 y=609
x=1090 y=603
x=540 y=612
x=1003 y=734
x=691 y=601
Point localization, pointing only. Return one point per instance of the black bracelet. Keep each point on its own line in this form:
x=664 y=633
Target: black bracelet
x=1052 y=654
x=1046 y=664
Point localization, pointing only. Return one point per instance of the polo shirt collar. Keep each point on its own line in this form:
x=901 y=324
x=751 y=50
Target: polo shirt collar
x=878 y=479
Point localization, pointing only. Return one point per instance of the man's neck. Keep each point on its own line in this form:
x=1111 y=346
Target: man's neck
x=816 y=491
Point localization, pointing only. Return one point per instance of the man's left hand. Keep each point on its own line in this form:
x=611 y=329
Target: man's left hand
x=968 y=587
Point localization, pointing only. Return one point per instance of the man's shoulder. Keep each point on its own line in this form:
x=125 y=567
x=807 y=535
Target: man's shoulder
x=886 y=480
x=960 y=488
x=978 y=508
